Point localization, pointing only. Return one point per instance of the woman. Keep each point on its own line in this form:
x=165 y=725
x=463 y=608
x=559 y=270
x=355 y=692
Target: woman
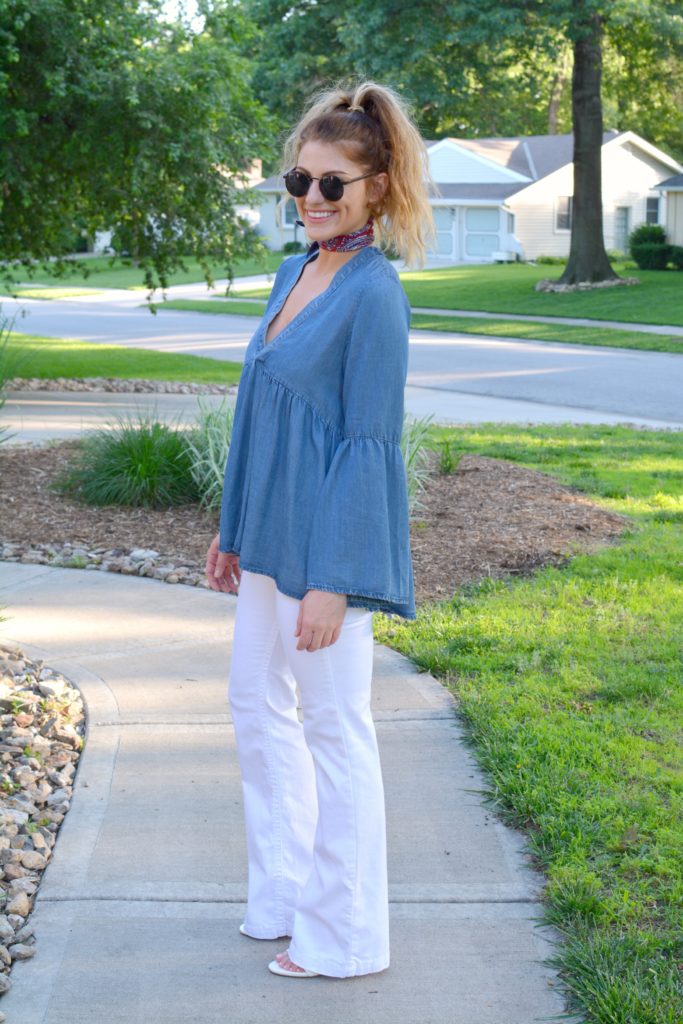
x=314 y=534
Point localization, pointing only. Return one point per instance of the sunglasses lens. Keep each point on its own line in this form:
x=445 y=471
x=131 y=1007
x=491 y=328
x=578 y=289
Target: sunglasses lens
x=297 y=183
x=332 y=187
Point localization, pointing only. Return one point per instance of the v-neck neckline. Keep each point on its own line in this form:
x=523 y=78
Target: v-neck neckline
x=338 y=277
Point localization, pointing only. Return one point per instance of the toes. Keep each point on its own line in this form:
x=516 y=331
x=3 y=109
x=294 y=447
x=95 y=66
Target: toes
x=289 y=965
x=284 y=961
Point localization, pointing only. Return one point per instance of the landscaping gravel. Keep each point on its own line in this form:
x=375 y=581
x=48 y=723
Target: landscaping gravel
x=42 y=724
x=117 y=384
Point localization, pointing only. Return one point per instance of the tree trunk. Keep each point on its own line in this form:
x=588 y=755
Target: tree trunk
x=587 y=257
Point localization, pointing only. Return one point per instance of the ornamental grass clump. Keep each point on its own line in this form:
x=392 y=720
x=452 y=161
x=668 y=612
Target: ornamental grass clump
x=416 y=458
x=141 y=463
x=209 y=444
x=8 y=367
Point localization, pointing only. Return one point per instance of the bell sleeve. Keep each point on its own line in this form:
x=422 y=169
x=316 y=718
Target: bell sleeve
x=360 y=539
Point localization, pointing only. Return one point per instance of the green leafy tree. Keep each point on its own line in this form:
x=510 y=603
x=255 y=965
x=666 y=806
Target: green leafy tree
x=112 y=117
x=637 y=27
x=484 y=67
x=457 y=85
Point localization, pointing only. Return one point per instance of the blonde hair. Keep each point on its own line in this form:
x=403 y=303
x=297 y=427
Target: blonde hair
x=374 y=125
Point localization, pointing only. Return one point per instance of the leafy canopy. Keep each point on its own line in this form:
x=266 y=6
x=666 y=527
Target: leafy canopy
x=112 y=117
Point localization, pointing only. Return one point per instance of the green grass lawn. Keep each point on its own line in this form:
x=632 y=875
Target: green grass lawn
x=494 y=288
x=509 y=288
x=213 y=306
x=53 y=292
x=29 y=355
x=569 y=686
x=528 y=330
x=122 y=274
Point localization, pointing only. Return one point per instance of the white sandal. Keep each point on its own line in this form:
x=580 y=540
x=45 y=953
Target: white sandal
x=244 y=932
x=276 y=969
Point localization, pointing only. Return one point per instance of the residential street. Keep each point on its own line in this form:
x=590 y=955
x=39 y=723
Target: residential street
x=447 y=372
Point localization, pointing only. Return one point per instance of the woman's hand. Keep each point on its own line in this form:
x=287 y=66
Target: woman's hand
x=321 y=614
x=221 y=567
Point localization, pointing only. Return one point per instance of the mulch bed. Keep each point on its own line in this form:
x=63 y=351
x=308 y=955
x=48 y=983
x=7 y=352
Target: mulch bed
x=488 y=518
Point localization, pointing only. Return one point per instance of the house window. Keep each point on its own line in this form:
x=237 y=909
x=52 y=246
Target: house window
x=563 y=215
x=511 y=223
x=652 y=210
x=290 y=214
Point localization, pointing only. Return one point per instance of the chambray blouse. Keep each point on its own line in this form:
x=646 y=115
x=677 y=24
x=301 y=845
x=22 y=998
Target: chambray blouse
x=315 y=487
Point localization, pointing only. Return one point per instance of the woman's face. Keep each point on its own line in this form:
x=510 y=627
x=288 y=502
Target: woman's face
x=322 y=217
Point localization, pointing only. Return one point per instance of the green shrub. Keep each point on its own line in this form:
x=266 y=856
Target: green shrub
x=676 y=256
x=651 y=255
x=294 y=247
x=138 y=464
x=551 y=261
x=209 y=445
x=646 y=233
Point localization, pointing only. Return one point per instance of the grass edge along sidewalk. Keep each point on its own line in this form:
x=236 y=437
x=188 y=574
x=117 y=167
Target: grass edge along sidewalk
x=528 y=330
x=510 y=288
x=489 y=287
x=30 y=355
x=568 y=683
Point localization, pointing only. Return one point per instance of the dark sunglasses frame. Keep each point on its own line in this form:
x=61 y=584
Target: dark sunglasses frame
x=332 y=187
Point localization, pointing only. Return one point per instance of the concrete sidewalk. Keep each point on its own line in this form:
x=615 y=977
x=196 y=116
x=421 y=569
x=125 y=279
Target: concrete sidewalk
x=137 y=915
x=37 y=417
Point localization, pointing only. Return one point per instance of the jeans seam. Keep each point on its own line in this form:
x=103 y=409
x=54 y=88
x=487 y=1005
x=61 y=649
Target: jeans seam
x=342 y=733
x=278 y=878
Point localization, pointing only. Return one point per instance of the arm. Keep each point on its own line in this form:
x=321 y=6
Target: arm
x=359 y=542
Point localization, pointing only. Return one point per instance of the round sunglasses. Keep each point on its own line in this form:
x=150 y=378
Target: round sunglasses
x=298 y=183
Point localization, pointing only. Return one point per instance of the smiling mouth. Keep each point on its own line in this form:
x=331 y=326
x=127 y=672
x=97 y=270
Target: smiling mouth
x=320 y=215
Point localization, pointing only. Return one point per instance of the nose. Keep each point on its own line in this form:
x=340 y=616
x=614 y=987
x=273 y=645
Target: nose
x=314 y=195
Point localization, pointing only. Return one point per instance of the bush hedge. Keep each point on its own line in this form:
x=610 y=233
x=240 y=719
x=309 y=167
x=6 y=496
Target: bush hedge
x=676 y=256
x=650 y=233
x=651 y=255
x=649 y=248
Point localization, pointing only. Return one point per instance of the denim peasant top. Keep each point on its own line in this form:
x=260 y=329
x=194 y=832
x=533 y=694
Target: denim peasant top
x=315 y=490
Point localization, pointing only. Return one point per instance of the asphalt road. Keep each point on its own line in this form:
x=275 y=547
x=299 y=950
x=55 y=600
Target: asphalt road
x=638 y=386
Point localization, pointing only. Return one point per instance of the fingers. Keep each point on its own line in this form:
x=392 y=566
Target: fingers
x=223 y=572
x=312 y=640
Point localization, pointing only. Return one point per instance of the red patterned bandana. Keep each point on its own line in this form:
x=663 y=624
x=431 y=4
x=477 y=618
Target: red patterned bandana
x=356 y=240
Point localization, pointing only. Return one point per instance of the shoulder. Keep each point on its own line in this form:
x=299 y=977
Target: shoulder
x=380 y=289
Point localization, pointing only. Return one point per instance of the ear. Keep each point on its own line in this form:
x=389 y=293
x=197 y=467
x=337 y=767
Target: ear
x=377 y=187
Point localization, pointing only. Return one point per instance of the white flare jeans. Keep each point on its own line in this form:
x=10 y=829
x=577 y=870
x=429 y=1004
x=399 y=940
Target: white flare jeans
x=313 y=792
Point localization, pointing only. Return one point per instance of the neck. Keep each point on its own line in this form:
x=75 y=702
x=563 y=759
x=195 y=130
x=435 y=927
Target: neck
x=333 y=252
x=352 y=240
x=329 y=262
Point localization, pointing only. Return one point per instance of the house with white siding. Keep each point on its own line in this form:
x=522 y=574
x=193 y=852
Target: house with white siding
x=672 y=190
x=511 y=198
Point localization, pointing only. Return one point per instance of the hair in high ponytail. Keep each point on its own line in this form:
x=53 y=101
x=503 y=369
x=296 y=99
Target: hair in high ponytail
x=374 y=125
